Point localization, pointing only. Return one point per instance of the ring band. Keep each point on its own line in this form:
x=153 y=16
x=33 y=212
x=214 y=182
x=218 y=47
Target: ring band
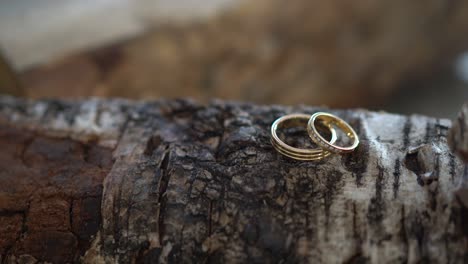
x=296 y=156
x=330 y=119
x=297 y=153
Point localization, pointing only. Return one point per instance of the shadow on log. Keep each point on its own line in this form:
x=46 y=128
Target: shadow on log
x=184 y=182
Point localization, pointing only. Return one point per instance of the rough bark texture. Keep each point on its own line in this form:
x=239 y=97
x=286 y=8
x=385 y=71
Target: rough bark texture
x=458 y=141
x=201 y=183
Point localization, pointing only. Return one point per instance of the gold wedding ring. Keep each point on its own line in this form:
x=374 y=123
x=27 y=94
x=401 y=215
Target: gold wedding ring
x=294 y=120
x=329 y=120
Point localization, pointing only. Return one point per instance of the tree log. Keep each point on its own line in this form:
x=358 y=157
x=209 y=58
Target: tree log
x=173 y=181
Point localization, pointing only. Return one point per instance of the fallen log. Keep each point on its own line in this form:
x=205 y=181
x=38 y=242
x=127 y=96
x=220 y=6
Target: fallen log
x=173 y=181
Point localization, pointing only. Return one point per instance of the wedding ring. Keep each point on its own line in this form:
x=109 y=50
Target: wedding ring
x=294 y=120
x=331 y=120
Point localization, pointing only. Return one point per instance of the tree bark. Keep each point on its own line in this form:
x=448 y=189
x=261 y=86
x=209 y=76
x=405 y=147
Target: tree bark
x=173 y=181
x=458 y=142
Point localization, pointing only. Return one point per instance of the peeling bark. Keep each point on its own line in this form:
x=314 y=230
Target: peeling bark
x=201 y=183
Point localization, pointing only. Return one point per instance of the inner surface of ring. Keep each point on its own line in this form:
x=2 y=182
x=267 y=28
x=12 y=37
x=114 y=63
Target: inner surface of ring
x=294 y=133
x=345 y=135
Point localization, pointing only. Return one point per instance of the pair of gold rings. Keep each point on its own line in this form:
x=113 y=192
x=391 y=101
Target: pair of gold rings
x=325 y=147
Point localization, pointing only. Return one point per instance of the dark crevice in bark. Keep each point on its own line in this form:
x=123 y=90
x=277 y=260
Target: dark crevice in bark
x=437 y=166
x=78 y=239
x=406 y=133
x=97 y=116
x=70 y=216
x=429 y=132
x=462 y=216
x=358 y=161
x=56 y=107
x=376 y=206
x=85 y=228
x=440 y=130
x=417 y=230
x=412 y=164
x=220 y=151
x=396 y=177
x=152 y=144
x=210 y=220
x=434 y=191
x=165 y=175
x=403 y=234
x=452 y=167
x=379 y=183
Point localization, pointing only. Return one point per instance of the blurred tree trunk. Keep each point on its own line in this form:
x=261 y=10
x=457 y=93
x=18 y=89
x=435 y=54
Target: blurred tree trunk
x=194 y=183
x=338 y=53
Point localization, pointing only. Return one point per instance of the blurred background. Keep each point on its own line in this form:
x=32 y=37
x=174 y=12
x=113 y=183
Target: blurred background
x=399 y=56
